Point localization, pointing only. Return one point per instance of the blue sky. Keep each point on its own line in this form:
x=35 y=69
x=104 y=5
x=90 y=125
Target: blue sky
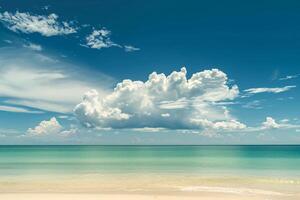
x=53 y=54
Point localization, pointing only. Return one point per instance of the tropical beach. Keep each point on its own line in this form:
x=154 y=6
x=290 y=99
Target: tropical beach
x=123 y=196
x=149 y=100
x=150 y=172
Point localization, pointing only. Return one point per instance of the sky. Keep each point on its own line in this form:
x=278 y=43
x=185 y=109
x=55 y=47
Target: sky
x=159 y=72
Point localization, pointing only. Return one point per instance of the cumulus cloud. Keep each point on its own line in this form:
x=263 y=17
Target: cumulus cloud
x=51 y=127
x=270 y=90
x=99 y=39
x=270 y=123
x=163 y=101
x=50 y=25
x=28 y=23
x=45 y=127
x=220 y=125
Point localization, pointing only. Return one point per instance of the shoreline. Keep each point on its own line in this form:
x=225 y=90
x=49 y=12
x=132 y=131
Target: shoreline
x=189 y=193
x=89 y=196
x=146 y=187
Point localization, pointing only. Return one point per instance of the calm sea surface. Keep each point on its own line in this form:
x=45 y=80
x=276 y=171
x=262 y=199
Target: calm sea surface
x=275 y=161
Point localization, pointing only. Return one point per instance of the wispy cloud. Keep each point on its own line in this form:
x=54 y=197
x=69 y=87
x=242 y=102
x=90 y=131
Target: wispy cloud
x=38 y=102
x=269 y=90
x=289 y=77
x=129 y=48
x=18 y=109
x=275 y=75
x=34 y=47
x=38 y=81
x=8 y=41
x=29 y=23
x=256 y=104
x=46 y=7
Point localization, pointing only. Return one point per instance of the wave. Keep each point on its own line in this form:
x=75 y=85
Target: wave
x=238 y=191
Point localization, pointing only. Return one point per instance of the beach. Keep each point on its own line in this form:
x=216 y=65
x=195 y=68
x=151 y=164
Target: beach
x=149 y=172
x=120 y=196
x=149 y=100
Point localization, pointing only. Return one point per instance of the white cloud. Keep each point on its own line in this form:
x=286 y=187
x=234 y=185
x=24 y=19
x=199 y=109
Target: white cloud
x=289 y=77
x=149 y=130
x=284 y=120
x=18 y=109
x=37 y=81
x=285 y=98
x=172 y=102
x=255 y=104
x=40 y=88
x=45 y=127
x=28 y=23
x=51 y=127
x=270 y=123
x=49 y=25
x=165 y=115
x=129 y=48
x=99 y=39
x=69 y=132
x=228 y=125
x=270 y=90
x=55 y=105
x=34 y=47
x=63 y=116
x=178 y=104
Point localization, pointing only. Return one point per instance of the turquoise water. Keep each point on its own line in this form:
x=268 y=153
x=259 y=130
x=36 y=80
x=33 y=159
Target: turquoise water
x=278 y=161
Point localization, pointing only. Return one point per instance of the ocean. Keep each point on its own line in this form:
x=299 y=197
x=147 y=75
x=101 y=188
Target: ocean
x=270 y=169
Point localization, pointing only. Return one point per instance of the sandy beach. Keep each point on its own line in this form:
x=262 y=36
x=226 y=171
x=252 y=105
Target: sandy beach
x=26 y=196
x=134 y=188
x=146 y=173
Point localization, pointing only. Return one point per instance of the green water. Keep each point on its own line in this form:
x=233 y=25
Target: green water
x=278 y=161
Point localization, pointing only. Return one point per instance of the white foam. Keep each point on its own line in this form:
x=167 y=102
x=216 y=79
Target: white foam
x=238 y=191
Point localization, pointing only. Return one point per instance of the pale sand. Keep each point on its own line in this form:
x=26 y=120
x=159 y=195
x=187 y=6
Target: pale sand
x=117 y=187
x=36 y=196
